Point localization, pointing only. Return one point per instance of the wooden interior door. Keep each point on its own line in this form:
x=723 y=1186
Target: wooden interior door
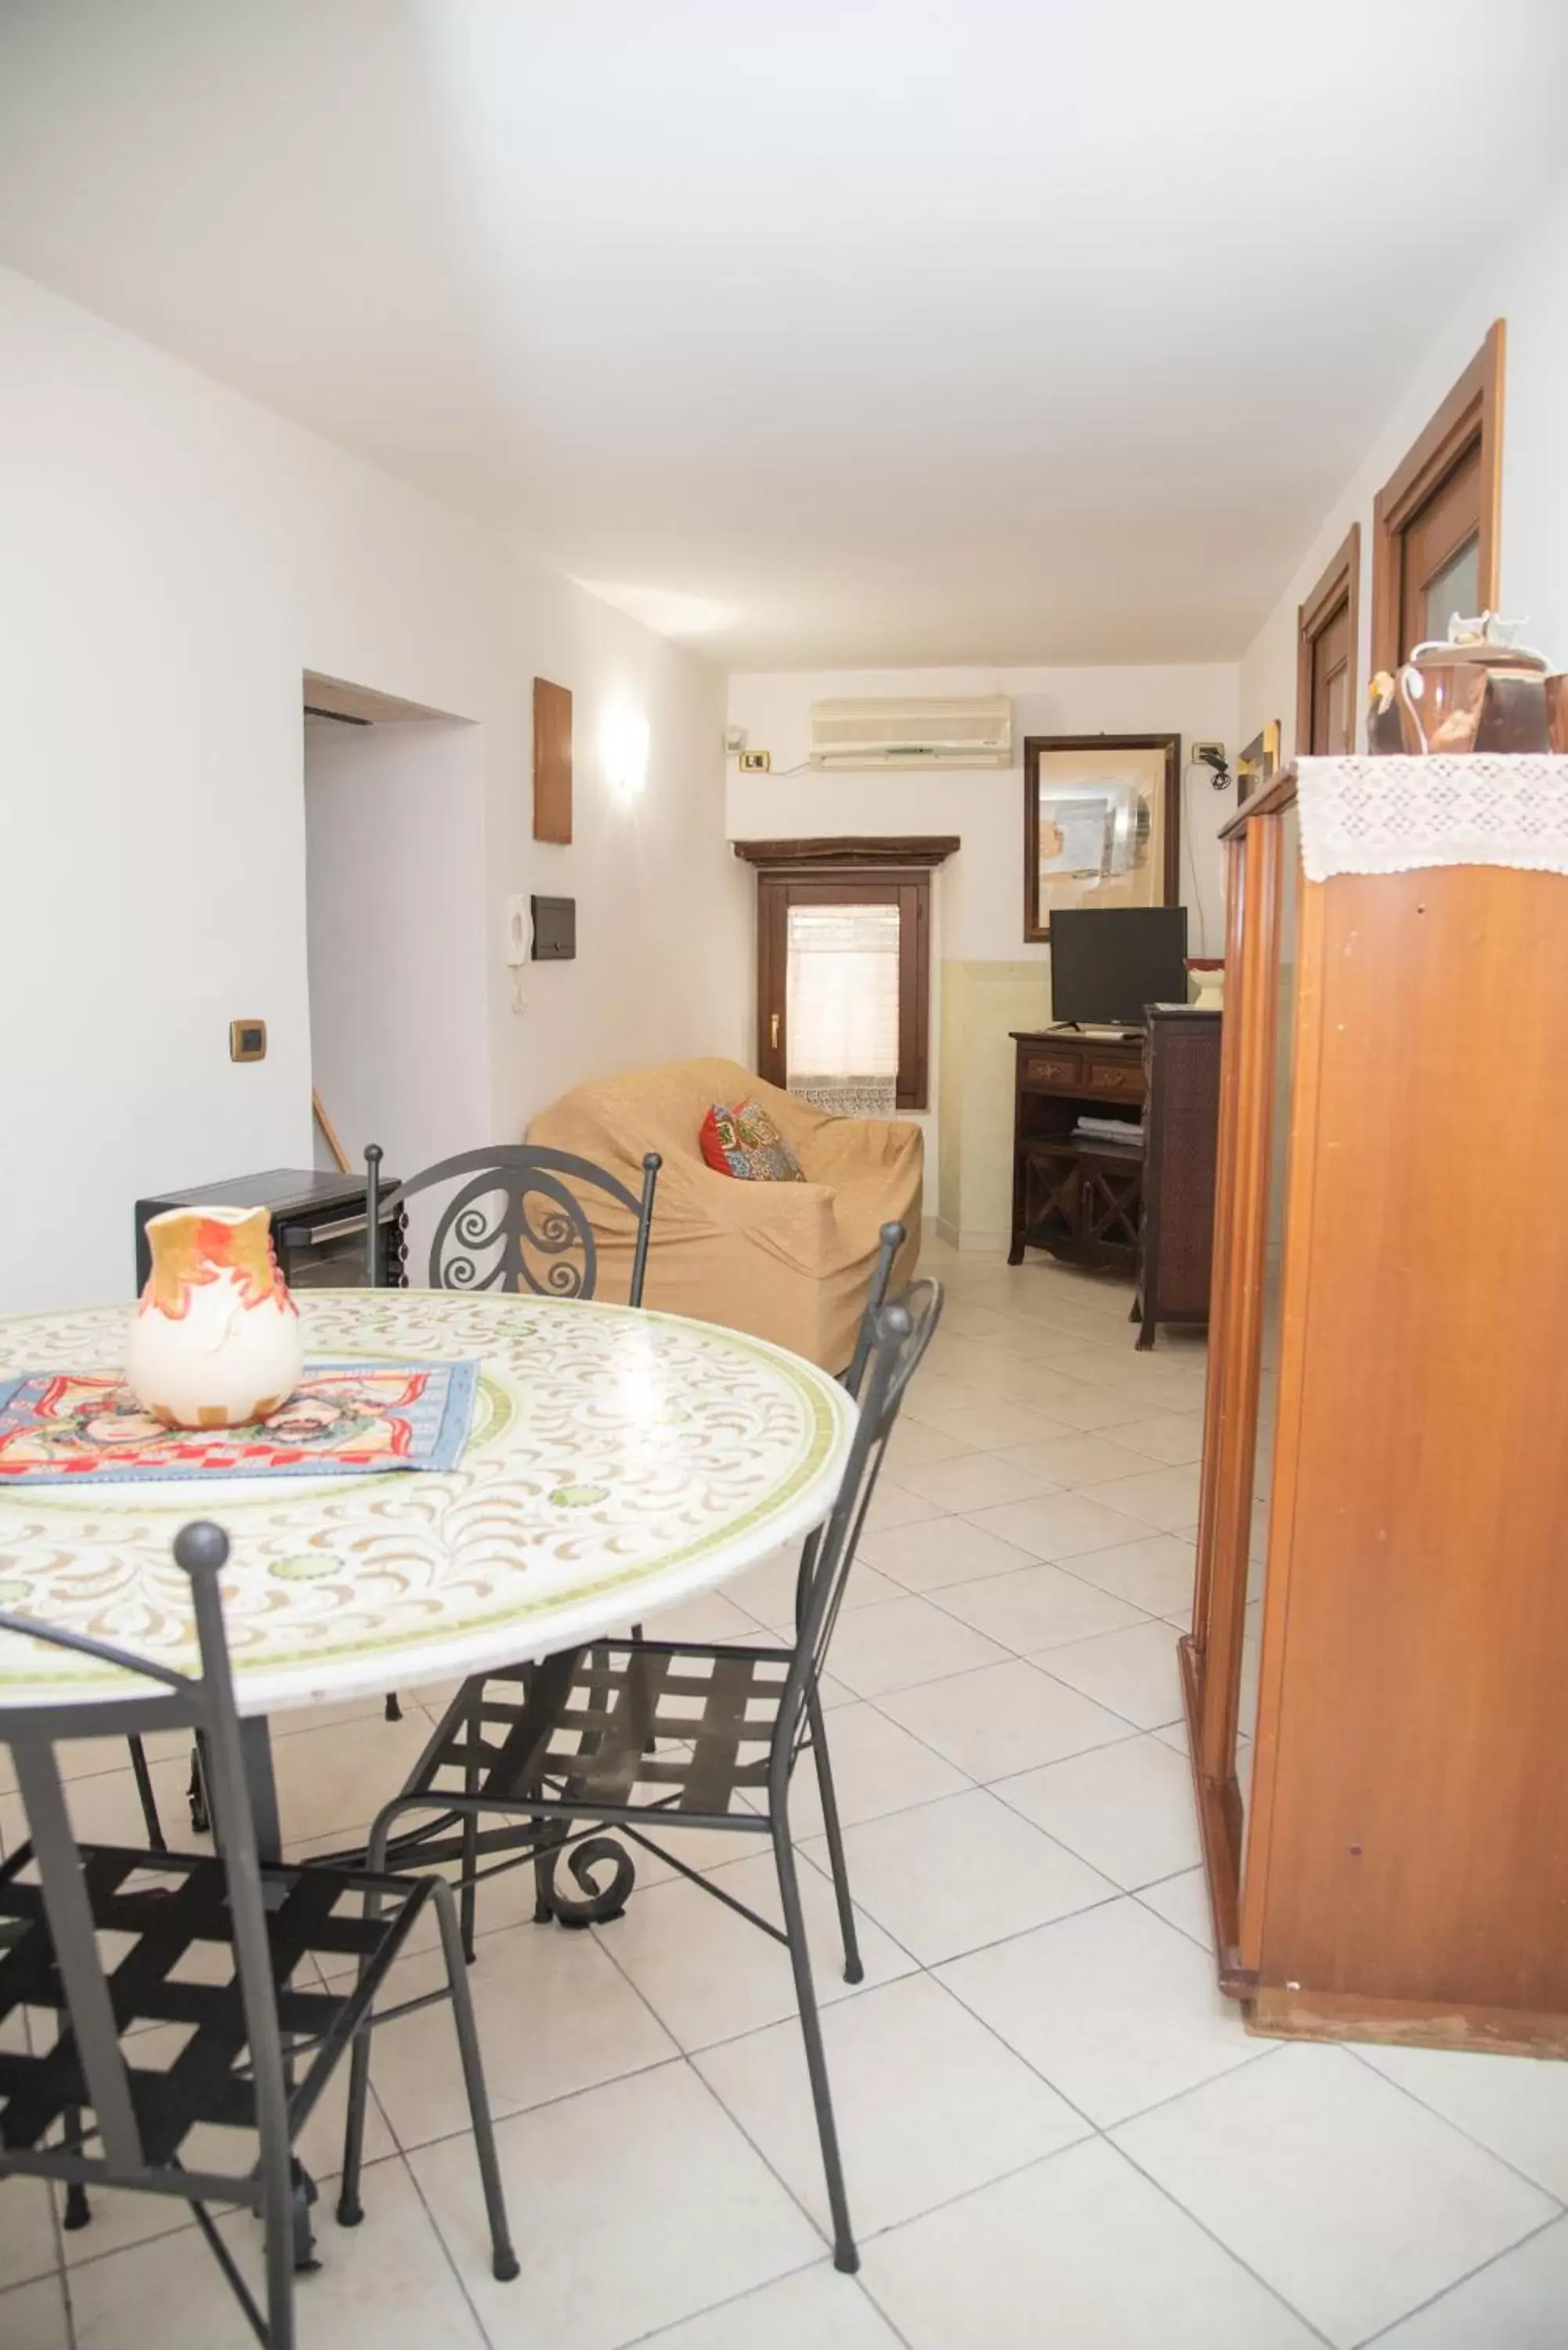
x=1435 y=520
x=1440 y=557
x=1327 y=632
x=1331 y=719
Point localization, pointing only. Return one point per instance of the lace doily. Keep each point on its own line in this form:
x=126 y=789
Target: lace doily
x=1393 y=816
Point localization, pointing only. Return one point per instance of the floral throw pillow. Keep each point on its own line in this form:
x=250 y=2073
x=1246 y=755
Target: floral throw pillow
x=745 y=1141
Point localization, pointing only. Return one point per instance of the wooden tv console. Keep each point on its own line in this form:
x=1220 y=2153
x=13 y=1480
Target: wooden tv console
x=1144 y=1206
x=1080 y=1201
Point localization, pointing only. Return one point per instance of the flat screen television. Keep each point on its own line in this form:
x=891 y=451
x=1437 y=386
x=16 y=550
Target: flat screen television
x=1108 y=961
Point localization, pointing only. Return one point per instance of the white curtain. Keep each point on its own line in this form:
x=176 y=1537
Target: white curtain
x=842 y=1008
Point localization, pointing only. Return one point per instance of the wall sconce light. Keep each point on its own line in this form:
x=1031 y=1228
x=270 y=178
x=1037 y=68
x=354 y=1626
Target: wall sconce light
x=624 y=743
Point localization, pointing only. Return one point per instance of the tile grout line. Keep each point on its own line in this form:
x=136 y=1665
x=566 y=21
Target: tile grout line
x=447 y=2254
x=1352 y=2049
x=1175 y=2201
x=1367 y=2340
x=750 y=2292
x=1100 y=2129
x=1018 y=1657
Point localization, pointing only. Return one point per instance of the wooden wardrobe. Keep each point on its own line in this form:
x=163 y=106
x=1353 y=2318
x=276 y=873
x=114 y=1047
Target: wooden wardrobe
x=1376 y=1678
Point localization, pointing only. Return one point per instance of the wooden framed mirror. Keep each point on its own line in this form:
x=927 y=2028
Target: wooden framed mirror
x=1102 y=823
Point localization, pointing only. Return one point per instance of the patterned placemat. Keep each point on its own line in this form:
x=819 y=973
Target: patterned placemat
x=84 y=1428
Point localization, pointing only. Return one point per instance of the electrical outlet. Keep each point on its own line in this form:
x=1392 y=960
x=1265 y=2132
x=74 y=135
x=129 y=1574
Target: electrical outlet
x=756 y=763
x=1202 y=752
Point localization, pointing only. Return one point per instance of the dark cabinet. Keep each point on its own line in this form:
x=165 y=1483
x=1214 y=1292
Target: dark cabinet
x=1081 y=1200
x=1181 y=1120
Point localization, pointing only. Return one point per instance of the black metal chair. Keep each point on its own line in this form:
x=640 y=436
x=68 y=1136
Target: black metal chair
x=260 y=2046
x=485 y=1239
x=630 y=1734
x=891 y=1240
x=484 y=1236
x=602 y=1903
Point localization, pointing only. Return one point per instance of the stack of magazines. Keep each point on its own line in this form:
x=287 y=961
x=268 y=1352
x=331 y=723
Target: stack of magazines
x=1090 y=1128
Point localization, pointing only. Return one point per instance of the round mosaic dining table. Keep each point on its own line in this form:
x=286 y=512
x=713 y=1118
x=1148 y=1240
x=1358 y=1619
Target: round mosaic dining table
x=617 y=1461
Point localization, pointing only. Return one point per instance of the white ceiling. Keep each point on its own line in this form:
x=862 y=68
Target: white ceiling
x=816 y=331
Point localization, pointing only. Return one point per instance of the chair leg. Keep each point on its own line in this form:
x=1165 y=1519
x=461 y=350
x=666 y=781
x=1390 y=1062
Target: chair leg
x=78 y=2211
x=201 y=1816
x=393 y=1710
x=280 y=2225
x=148 y=1801
x=504 y=2263
x=350 y=2211
x=543 y=1908
x=469 y=1894
x=280 y=2275
x=854 y=1969
x=845 y=2255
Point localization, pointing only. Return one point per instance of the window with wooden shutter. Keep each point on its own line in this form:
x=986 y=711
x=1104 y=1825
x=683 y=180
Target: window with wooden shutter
x=844 y=970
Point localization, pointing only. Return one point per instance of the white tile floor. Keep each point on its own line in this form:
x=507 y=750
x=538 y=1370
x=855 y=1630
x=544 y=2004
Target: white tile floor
x=1055 y=2130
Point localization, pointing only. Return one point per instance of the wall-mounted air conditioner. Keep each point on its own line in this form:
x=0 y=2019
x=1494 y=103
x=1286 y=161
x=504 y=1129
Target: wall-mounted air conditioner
x=972 y=730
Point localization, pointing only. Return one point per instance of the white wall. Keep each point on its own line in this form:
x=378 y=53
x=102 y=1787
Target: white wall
x=664 y=910
x=172 y=558
x=1526 y=284
x=394 y=818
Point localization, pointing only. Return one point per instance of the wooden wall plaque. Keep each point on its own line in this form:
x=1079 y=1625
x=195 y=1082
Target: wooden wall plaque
x=551 y=762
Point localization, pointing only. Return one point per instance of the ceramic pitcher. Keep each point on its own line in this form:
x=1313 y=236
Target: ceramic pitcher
x=216 y=1339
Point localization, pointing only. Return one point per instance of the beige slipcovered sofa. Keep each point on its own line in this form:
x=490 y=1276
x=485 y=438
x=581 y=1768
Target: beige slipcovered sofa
x=788 y=1261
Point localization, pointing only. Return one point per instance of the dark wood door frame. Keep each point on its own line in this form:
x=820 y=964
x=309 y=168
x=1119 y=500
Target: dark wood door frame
x=1338 y=589
x=1469 y=420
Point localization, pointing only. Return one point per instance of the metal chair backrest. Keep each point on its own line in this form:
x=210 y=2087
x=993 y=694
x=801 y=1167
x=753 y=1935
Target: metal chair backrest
x=486 y=1238
x=891 y=1240
x=901 y=1333
x=204 y=1704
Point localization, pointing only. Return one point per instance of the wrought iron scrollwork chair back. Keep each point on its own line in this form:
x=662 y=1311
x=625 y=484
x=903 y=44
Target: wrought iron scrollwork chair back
x=484 y=1238
x=57 y=1896
x=480 y=1244
x=636 y=1734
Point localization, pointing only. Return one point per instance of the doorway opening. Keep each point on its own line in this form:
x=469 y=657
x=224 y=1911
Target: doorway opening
x=395 y=926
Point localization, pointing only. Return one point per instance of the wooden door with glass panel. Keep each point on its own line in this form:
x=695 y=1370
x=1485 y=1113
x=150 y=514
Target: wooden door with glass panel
x=1440 y=564
x=1326 y=628
x=1436 y=519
